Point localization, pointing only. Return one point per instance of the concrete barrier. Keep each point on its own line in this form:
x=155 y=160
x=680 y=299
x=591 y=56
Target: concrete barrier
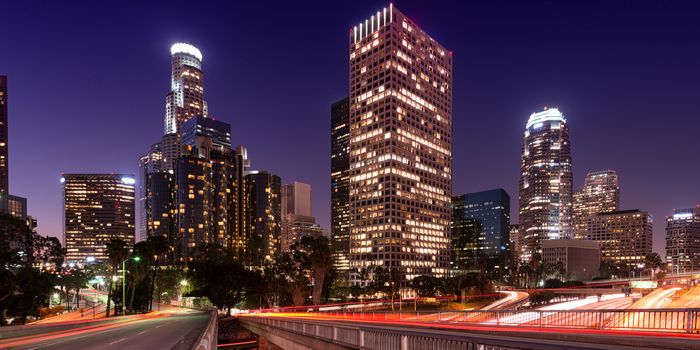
x=208 y=339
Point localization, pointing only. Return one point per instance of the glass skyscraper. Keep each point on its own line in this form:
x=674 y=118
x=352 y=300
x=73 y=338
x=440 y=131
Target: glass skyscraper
x=546 y=181
x=480 y=231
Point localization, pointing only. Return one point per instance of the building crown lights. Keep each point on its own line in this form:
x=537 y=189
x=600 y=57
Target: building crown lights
x=186 y=48
x=549 y=114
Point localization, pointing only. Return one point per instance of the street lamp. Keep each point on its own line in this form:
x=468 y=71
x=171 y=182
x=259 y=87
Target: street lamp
x=136 y=259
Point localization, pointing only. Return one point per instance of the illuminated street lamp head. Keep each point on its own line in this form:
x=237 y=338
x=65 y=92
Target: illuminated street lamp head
x=186 y=49
x=183 y=282
x=137 y=258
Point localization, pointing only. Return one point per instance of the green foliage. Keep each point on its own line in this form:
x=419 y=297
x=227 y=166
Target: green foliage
x=217 y=275
x=24 y=286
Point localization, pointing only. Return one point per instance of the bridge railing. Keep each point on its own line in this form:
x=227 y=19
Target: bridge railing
x=672 y=320
x=380 y=337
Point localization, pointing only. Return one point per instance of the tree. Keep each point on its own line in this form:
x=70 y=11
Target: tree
x=138 y=270
x=24 y=287
x=653 y=262
x=116 y=252
x=76 y=279
x=314 y=254
x=424 y=286
x=157 y=248
x=217 y=275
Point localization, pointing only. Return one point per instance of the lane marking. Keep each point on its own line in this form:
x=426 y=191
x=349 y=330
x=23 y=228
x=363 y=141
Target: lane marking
x=142 y=332
x=117 y=341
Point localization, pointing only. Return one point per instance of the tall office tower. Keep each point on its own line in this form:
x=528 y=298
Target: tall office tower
x=198 y=126
x=545 y=182
x=340 y=186
x=683 y=240
x=514 y=244
x=296 y=199
x=96 y=209
x=297 y=217
x=241 y=224
x=600 y=193
x=625 y=236
x=150 y=163
x=480 y=231
x=204 y=191
x=185 y=99
x=400 y=148
x=265 y=216
x=4 y=160
x=192 y=204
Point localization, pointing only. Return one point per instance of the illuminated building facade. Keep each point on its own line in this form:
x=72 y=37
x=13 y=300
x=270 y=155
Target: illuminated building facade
x=600 y=193
x=340 y=186
x=4 y=160
x=186 y=98
x=96 y=209
x=683 y=240
x=546 y=182
x=265 y=216
x=480 y=231
x=625 y=236
x=400 y=107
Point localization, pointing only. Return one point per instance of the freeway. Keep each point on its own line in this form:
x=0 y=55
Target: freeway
x=177 y=328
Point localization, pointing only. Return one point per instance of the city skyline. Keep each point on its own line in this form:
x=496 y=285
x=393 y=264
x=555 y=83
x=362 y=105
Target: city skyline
x=498 y=165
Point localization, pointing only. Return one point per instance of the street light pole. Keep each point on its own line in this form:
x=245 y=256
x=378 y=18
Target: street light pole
x=124 y=287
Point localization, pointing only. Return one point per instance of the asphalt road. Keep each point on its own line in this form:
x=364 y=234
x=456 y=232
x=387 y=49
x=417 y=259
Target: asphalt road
x=168 y=331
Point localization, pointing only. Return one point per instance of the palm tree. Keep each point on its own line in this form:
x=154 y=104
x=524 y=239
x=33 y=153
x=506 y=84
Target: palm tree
x=157 y=247
x=117 y=252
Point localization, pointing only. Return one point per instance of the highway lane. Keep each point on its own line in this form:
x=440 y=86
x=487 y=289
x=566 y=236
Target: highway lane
x=159 y=331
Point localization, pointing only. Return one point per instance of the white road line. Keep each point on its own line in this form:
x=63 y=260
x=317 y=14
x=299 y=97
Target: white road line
x=117 y=341
x=142 y=332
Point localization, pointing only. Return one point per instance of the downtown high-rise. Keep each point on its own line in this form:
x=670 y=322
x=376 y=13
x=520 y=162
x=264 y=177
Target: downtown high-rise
x=96 y=209
x=600 y=193
x=625 y=236
x=546 y=182
x=4 y=161
x=480 y=232
x=683 y=240
x=400 y=107
x=297 y=216
x=340 y=186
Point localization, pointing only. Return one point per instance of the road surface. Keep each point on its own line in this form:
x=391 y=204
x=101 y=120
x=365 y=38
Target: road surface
x=164 y=330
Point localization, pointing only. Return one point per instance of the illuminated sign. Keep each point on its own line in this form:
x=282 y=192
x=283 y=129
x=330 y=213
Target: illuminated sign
x=643 y=284
x=128 y=180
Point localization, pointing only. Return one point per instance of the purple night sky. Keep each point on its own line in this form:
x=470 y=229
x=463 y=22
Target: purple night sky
x=88 y=83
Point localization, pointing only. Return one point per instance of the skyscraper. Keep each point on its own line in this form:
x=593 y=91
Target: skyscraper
x=265 y=216
x=600 y=193
x=185 y=99
x=96 y=209
x=546 y=182
x=683 y=240
x=340 y=186
x=297 y=217
x=4 y=160
x=400 y=147
x=480 y=231
x=625 y=236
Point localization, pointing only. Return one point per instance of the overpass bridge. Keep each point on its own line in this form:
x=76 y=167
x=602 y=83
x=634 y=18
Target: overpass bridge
x=402 y=332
